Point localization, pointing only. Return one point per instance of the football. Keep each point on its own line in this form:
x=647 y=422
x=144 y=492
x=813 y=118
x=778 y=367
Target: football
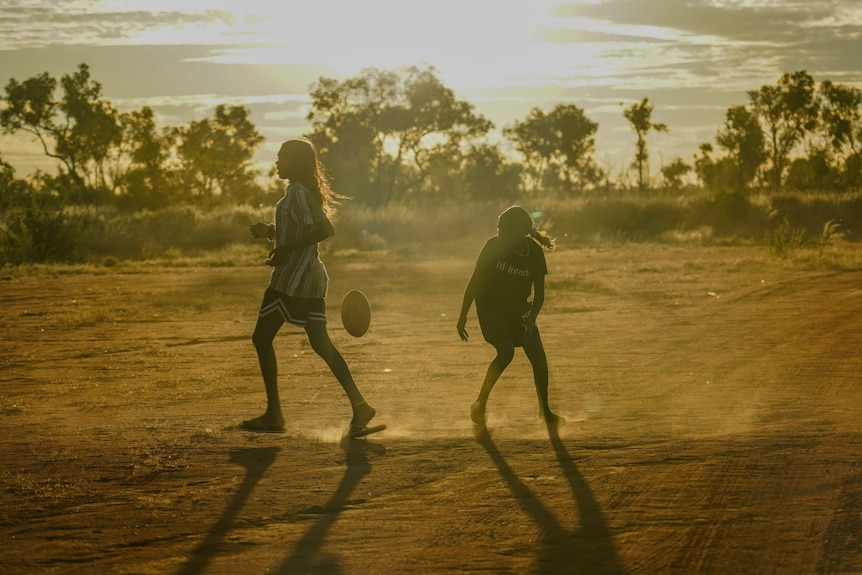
x=355 y=313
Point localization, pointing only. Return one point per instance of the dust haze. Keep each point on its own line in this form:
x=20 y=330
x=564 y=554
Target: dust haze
x=711 y=396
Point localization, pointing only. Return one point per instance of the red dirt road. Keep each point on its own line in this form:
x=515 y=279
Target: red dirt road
x=713 y=400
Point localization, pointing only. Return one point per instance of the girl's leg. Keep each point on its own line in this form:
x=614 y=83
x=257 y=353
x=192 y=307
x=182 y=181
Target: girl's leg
x=505 y=354
x=264 y=335
x=318 y=337
x=535 y=351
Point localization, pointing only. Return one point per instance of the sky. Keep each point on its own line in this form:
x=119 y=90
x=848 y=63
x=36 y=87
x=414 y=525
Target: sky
x=693 y=59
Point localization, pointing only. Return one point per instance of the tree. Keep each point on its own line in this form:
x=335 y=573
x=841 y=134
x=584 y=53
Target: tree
x=488 y=176
x=80 y=129
x=104 y=154
x=842 y=125
x=813 y=172
x=215 y=154
x=742 y=138
x=381 y=132
x=674 y=172
x=558 y=146
x=11 y=189
x=639 y=116
x=95 y=130
x=147 y=180
x=788 y=110
x=841 y=117
x=714 y=174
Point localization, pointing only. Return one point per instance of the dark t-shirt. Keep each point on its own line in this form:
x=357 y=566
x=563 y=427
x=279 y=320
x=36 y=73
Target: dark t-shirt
x=505 y=274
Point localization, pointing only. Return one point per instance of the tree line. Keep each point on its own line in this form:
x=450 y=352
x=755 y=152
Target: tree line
x=402 y=135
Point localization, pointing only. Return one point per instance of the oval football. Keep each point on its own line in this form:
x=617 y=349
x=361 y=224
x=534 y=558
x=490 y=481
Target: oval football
x=355 y=313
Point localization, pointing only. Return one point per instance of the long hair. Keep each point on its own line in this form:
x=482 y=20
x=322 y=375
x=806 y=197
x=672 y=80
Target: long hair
x=304 y=167
x=516 y=221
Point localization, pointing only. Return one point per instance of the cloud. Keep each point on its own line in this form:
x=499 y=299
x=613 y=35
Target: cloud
x=770 y=22
x=716 y=44
x=692 y=58
x=579 y=35
x=23 y=25
x=160 y=71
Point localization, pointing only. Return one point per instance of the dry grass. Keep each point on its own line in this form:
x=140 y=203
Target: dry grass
x=191 y=235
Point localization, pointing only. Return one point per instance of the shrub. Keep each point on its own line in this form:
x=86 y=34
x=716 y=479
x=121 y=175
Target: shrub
x=784 y=239
x=729 y=214
x=830 y=236
x=37 y=230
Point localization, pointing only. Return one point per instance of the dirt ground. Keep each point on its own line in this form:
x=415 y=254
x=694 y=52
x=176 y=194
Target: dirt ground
x=712 y=398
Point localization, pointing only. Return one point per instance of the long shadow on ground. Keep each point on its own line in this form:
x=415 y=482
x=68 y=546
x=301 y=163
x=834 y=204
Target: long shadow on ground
x=587 y=549
x=305 y=557
x=255 y=461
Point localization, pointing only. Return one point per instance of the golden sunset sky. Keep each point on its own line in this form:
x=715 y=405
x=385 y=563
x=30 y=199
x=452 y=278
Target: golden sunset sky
x=692 y=58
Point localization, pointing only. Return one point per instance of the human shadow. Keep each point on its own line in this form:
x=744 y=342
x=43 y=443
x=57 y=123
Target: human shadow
x=305 y=557
x=584 y=549
x=255 y=461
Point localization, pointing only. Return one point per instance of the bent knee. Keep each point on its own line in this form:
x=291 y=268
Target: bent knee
x=261 y=340
x=505 y=356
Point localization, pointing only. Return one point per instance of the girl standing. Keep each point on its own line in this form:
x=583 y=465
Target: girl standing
x=299 y=281
x=509 y=268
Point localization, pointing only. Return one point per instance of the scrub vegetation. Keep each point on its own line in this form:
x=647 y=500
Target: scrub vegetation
x=418 y=167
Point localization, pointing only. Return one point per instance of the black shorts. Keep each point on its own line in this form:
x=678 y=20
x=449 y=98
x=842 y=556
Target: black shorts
x=294 y=310
x=503 y=324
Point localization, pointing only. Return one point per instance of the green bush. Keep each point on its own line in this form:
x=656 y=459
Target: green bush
x=784 y=239
x=37 y=229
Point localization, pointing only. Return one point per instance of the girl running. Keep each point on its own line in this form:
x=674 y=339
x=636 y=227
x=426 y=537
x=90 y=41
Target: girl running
x=510 y=266
x=299 y=281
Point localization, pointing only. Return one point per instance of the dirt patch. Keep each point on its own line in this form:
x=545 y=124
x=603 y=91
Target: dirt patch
x=712 y=399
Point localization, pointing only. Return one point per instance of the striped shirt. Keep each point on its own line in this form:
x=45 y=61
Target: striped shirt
x=302 y=274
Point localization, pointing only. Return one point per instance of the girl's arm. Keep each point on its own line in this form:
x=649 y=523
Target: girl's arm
x=261 y=230
x=528 y=320
x=538 y=296
x=469 y=295
x=319 y=232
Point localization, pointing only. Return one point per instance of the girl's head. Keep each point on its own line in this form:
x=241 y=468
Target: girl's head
x=297 y=162
x=516 y=222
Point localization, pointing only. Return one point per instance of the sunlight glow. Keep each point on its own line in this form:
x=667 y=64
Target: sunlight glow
x=476 y=42
x=693 y=59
